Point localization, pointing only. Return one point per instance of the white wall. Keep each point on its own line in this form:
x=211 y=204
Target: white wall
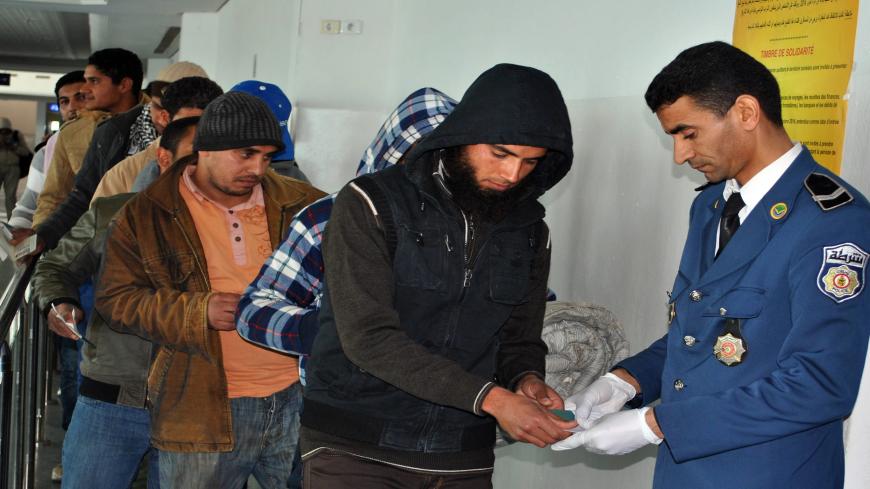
x=153 y=67
x=199 y=40
x=30 y=83
x=618 y=219
x=246 y=39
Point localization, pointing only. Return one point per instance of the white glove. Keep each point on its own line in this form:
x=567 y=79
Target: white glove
x=615 y=434
x=604 y=396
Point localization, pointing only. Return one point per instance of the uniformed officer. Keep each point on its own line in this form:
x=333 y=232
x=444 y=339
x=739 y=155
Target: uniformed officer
x=768 y=320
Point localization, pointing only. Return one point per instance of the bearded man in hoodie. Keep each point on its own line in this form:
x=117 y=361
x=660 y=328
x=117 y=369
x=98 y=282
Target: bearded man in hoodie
x=436 y=279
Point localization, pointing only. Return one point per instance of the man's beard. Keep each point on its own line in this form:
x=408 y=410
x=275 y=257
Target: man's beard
x=491 y=205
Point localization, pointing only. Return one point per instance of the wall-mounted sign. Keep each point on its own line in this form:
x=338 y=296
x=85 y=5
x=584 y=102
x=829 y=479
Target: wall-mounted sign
x=809 y=46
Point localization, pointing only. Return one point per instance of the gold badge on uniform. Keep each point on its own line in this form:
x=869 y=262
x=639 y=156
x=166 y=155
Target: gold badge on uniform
x=729 y=349
x=841 y=281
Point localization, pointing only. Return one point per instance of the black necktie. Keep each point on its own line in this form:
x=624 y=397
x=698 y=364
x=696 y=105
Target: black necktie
x=730 y=221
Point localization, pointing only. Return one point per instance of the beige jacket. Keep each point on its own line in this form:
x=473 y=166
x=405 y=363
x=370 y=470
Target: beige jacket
x=119 y=179
x=69 y=153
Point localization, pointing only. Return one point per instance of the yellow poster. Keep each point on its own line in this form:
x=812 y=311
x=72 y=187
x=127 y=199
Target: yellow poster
x=808 y=45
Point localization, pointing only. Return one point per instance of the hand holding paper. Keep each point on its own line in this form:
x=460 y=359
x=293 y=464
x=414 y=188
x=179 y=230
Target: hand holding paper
x=17 y=243
x=63 y=319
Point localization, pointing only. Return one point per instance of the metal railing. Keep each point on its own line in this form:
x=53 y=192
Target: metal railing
x=24 y=377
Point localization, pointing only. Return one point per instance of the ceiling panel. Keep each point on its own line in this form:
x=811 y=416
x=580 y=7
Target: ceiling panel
x=37 y=34
x=43 y=34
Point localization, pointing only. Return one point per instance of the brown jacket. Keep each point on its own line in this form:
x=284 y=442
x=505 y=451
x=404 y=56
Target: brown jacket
x=155 y=284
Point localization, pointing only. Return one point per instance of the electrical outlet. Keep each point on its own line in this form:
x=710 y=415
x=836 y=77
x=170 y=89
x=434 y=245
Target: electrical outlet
x=330 y=26
x=351 y=26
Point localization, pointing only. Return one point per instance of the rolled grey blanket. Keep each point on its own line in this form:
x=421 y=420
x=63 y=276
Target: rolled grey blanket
x=584 y=341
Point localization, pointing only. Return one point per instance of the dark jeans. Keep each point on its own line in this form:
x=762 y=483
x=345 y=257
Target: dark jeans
x=329 y=469
x=68 y=355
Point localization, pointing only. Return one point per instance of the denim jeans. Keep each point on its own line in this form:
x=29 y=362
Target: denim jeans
x=266 y=432
x=105 y=444
x=295 y=481
x=68 y=354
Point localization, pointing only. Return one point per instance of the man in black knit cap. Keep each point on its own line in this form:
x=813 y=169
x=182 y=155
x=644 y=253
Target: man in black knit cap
x=436 y=278
x=177 y=258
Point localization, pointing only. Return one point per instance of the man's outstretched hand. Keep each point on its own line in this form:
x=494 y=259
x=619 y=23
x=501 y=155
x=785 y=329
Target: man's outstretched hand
x=525 y=419
x=532 y=387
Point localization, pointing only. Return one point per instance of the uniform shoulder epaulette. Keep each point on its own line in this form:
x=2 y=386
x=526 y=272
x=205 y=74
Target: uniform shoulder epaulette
x=827 y=192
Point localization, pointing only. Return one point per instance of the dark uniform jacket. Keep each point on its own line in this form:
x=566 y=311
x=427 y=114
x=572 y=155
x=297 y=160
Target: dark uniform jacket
x=791 y=283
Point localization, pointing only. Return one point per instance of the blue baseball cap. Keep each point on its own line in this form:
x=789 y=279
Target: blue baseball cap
x=279 y=104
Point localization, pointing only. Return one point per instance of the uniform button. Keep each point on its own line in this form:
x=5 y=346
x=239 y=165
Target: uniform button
x=679 y=385
x=695 y=295
x=689 y=340
x=723 y=311
x=235 y=224
x=238 y=238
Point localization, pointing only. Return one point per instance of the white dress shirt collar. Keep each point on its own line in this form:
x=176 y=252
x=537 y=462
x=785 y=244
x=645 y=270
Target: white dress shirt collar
x=758 y=186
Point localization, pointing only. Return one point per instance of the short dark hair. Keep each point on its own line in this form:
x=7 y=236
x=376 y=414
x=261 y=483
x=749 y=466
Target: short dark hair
x=155 y=88
x=175 y=131
x=77 y=76
x=117 y=64
x=714 y=74
x=192 y=92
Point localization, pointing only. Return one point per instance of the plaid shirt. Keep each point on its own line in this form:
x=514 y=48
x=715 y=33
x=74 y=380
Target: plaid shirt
x=418 y=115
x=279 y=309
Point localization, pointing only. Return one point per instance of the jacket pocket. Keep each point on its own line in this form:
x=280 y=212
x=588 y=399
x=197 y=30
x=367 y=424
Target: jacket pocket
x=420 y=258
x=738 y=303
x=510 y=260
x=157 y=378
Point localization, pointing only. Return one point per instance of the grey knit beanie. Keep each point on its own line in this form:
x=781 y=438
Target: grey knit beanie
x=237 y=120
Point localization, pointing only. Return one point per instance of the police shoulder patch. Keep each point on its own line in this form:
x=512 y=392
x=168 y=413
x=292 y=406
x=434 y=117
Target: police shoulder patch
x=841 y=276
x=826 y=192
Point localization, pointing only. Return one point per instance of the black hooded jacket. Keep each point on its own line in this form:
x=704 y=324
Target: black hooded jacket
x=413 y=338
x=510 y=104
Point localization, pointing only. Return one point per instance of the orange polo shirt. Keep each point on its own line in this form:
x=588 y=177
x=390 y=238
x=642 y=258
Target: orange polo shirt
x=236 y=244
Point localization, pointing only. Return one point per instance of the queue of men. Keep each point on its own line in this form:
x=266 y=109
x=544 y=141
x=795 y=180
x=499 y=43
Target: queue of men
x=245 y=324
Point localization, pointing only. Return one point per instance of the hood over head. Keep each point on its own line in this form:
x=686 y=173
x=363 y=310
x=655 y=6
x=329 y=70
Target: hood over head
x=418 y=115
x=512 y=105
